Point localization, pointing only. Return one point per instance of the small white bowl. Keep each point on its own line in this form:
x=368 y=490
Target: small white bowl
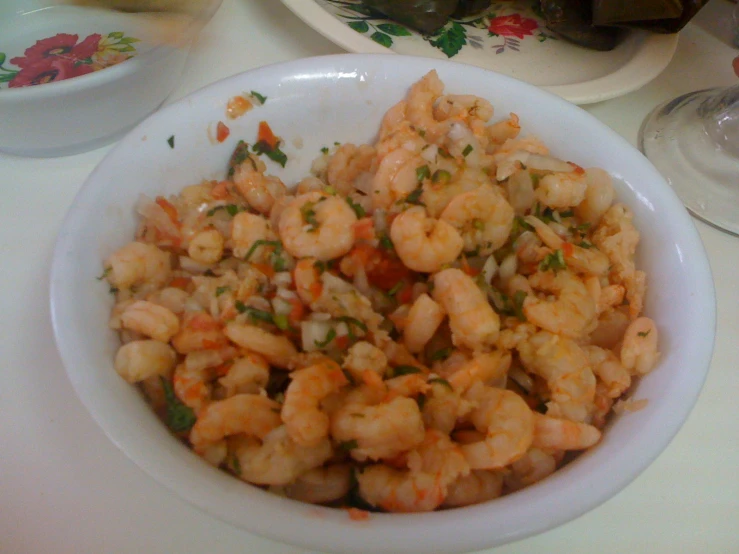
x=70 y=115
x=312 y=103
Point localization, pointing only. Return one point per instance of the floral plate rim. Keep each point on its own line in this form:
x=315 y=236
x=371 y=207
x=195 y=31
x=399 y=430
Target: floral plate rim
x=649 y=60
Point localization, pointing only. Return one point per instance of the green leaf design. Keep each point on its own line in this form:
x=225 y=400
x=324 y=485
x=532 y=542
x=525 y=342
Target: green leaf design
x=116 y=34
x=359 y=26
x=129 y=40
x=126 y=49
x=7 y=77
x=382 y=39
x=450 y=39
x=2 y=58
x=394 y=29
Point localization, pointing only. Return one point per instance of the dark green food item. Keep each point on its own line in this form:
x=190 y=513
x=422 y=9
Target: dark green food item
x=572 y=20
x=659 y=16
x=468 y=8
x=425 y=16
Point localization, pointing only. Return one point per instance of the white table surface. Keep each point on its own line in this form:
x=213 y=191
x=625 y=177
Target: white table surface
x=65 y=488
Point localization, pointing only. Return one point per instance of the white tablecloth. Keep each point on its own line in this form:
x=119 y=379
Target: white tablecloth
x=65 y=488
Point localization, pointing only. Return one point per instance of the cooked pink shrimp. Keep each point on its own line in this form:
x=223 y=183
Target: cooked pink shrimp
x=246 y=230
x=530 y=468
x=141 y=359
x=479 y=486
x=422 y=243
x=420 y=104
x=423 y=320
x=562 y=434
x=566 y=369
x=486 y=368
x=138 y=263
x=572 y=311
x=562 y=190
x=260 y=190
x=277 y=349
x=483 y=217
x=322 y=484
x=306 y=424
x=249 y=414
x=150 y=319
x=317 y=225
x=348 y=163
x=598 y=196
x=473 y=321
x=396 y=177
x=508 y=424
x=248 y=374
x=639 y=352
x=614 y=377
x=433 y=465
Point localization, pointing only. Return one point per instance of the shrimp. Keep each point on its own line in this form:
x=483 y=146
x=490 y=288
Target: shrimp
x=260 y=190
x=141 y=359
x=248 y=374
x=508 y=424
x=532 y=467
x=150 y=319
x=436 y=196
x=433 y=466
x=479 y=486
x=566 y=369
x=392 y=119
x=419 y=107
x=347 y=163
x=562 y=190
x=617 y=237
x=639 y=352
x=473 y=321
x=590 y=261
x=396 y=177
x=484 y=368
x=306 y=424
x=276 y=349
x=520 y=191
x=249 y=414
x=462 y=107
x=610 y=329
x=206 y=247
x=317 y=225
x=573 y=311
x=278 y=460
x=172 y=298
x=138 y=263
x=506 y=129
x=607 y=367
x=423 y=320
x=562 y=434
x=199 y=331
x=483 y=217
x=321 y=485
x=246 y=230
x=378 y=431
x=514 y=152
x=599 y=196
x=363 y=356
x=424 y=244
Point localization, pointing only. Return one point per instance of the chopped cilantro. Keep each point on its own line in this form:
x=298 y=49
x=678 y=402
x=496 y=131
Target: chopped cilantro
x=349 y=377
x=441 y=176
x=441 y=354
x=397 y=371
x=105 y=273
x=585 y=244
x=553 y=261
x=358 y=209
x=467 y=150
x=231 y=209
x=170 y=141
x=566 y=213
x=253 y=313
x=441 y=381
x=309 y=215
x=329 y=190
x=396 y=287
x=415 y=197
x=385 y=242
x=112 y=290
x=320 y=266
x=535 y=179
x=281 y=321
x=235 y=464
x=331 y=335
x=179 y=417
x=421 y=401
x=422 y=133
x=478 y=224
x=352 y=322
x=260 y=97
x=518 y=298
x=274 y=154
x=261 y=242
x=324 y=150
x=644 y=333
x=221 y=290
x=422 y=173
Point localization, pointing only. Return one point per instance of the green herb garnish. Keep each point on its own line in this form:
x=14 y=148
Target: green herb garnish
x=553 y=261
x=404 y=370
x=179 y=418
x=467 y=150
x=346 y=446
x=386 y=243
x=518 y=298
x=358 y=209
x=585 y=244
x=231 y=209
x=170 y=141
x=221 y=290
x=396 y=287
x=441 y=381
x=324 y=150
x=415 y=197
x=309 y=215
x=261 y=242
x=441 y=354
x=253 y=313
x=281 y=321
x=441 y=176
x=273 y=153
x=422 y=173
x=239 y=156
x=644 y=333
x=105 y=273
x=260 y=97
x=352 y=322
x=421 y=401
x=331 y=335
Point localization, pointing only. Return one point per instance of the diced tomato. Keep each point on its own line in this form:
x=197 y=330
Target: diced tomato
x=266 y=136
x=220 y=191
x=297 y=313
x=211 y=344
x=342 y=342
x=567 y=249
x=405 y=295
x=315 y=289
x=267 y=269
x=180 y=283
x=364 y=229
x=222 y=131
x=388 y=272
x=169 y=209
x=201 y=321
x=471 y=271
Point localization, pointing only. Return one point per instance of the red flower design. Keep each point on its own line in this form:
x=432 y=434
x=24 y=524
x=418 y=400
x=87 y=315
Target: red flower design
x=512 y=26
x=46 y=70
x=61 y=46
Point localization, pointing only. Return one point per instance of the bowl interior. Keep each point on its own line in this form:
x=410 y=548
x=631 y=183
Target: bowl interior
x=313 y=103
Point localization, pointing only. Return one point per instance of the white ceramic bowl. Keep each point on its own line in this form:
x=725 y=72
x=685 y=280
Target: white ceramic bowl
x=76 y=114
x=312 y=103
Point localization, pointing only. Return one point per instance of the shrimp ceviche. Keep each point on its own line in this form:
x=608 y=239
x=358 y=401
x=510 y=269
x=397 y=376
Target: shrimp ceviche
x=434 y=320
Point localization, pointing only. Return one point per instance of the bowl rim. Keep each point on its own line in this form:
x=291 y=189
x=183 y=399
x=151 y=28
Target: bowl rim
x=105 y=75
x=432 y=526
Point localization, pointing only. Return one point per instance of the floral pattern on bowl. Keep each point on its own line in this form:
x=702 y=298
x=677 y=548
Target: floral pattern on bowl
x=63 y=56
x=512 y=22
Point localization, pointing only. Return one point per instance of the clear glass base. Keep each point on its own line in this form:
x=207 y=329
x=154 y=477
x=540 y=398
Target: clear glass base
x=693 y=141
